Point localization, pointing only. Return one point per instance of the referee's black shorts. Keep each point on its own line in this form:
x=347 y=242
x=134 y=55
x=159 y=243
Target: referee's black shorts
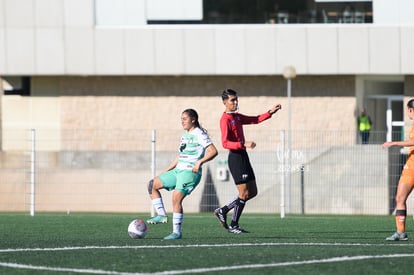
x=240 y=167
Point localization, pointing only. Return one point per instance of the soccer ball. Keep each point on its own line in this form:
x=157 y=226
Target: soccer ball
x=137 y=229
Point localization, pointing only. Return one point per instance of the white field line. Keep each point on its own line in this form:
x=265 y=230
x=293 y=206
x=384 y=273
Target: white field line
x=201 y=270
x=405 y=244
x=252 y=266
x=61 y=269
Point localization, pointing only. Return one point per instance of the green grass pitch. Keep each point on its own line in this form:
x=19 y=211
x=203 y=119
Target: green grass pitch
x=83 y=243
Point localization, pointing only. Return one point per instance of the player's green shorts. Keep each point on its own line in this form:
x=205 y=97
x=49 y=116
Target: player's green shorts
x=181 y=180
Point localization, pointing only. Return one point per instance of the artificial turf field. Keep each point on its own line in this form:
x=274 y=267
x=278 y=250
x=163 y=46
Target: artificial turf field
x=55 y=243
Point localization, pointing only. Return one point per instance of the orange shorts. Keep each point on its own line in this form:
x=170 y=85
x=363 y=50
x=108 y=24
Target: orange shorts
x=407 y=175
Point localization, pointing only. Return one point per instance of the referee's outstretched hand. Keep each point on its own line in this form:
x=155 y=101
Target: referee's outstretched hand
x=275 y=108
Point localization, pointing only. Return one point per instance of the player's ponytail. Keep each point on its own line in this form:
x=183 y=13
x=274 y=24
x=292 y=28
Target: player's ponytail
x=193 y=115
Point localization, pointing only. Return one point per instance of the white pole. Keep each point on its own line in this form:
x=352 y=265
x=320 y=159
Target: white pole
x=389 y=124
x=32 y=172
x=289 y=73
x=153 y=155
x=289 y=170
x=282 y=174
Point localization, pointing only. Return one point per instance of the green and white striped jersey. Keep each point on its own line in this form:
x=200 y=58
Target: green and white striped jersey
x=192 y=148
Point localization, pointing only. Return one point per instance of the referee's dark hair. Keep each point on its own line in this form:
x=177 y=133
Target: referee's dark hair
x=227 y=92
x=410 y=104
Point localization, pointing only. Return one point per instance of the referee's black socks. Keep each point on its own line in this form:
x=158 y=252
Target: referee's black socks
x=238 y=210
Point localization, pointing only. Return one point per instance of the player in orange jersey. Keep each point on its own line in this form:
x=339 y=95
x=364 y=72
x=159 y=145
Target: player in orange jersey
x=406 y=182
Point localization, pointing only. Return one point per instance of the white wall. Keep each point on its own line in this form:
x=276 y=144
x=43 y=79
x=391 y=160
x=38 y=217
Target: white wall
x=210 y=50
x=395 y=12
x=120 y=12
x=175 y=9
x=58 y=37
x=137 y=12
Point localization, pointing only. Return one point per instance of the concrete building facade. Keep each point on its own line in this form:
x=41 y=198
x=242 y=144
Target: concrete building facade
x=72 y=64
x=64 y=50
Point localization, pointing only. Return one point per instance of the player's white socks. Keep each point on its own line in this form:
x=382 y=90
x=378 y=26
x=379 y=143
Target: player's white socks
x=177 y=222
x=159 y=206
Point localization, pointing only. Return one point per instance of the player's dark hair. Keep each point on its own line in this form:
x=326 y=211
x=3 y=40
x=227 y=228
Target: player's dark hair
x=193 y=115
x=227 y=92
x=410 y=104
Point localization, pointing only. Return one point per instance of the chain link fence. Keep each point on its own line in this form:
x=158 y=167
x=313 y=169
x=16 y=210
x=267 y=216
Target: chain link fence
x=307 y=172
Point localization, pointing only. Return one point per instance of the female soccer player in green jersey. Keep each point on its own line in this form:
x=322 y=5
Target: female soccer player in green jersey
x=184 y=173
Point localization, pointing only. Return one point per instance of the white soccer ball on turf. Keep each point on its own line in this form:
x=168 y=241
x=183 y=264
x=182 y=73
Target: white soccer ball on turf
x=137 y=229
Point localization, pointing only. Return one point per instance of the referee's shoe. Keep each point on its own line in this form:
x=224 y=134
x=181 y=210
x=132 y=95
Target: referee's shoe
x=222 y=217
x=237 y=230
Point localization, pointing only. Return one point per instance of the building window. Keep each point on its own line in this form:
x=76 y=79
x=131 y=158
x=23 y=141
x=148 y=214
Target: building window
x=279 y=12
x=130 y=13
x=16 y=86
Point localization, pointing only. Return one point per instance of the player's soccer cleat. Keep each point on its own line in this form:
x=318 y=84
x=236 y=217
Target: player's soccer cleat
x=222 y=217
x=158 y=219
x=173 y=236
x=398 y=237
x=237 y=230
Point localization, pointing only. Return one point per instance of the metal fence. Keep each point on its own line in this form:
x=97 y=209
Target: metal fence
x=307 y=172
